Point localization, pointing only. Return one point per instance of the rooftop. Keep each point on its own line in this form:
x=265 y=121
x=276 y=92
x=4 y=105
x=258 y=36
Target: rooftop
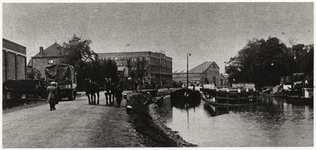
x=202 y=67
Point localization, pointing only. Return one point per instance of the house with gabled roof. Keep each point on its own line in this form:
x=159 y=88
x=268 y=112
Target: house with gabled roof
x=49 y=56
x=205 y=73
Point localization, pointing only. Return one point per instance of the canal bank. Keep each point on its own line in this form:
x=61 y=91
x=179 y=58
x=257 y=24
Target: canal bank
x=147 y=122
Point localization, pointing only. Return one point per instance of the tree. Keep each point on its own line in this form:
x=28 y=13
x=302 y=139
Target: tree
x=140 y=68
x=108 y=69
x=130 y=67
x=79 y=54
x=243 y=67
x=304 y=57
x=263 y=62
x=137 y=69
x=77 y=51
x=274 y=62
x=33 y=73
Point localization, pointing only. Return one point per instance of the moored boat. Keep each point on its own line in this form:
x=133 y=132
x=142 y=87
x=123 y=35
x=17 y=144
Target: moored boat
x=230 y=97
x=300 y=99
x=216 y=103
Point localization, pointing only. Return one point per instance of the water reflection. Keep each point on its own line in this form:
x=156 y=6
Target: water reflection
x=185 y=103
x=271 y=122
x=215 y=111
x=166 y=111
x=185 y=99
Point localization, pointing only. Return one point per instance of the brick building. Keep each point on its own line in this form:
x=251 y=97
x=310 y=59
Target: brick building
x=159 y=66
x=205 y=73
x=51 y=55
x=13 y=61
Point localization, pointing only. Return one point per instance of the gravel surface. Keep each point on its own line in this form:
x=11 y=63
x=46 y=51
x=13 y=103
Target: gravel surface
x=74 y=124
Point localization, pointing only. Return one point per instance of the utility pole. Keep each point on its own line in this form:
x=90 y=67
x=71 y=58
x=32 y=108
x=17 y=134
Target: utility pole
x=188 y=69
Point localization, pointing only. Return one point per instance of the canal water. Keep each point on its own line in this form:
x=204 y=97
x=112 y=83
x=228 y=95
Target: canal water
x=273 y=122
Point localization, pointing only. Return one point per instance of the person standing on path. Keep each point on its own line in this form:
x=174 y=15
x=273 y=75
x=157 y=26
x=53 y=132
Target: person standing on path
x=53 y=96
x=118 y=95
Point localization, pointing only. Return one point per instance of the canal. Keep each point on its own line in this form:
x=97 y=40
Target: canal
x=273 y=122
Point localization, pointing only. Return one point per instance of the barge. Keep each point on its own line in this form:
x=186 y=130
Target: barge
x=230 y=96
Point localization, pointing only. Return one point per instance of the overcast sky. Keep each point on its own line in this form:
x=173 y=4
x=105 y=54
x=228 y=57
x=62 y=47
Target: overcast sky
x=209 y=31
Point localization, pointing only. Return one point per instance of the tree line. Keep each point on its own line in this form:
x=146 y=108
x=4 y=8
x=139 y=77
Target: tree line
x=264 y=62
x=88 y=65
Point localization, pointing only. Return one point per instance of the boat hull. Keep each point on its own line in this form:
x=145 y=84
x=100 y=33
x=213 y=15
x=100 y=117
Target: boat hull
x=300 y=100
x=210 y=101
x=232 y=98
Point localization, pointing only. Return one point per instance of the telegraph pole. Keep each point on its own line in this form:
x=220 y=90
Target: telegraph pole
x=188 y=69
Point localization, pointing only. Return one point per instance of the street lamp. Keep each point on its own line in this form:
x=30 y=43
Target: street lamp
x=160 y=75
x=188 y=54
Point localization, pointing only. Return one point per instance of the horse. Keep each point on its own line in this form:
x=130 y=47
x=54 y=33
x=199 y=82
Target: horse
x=109 y=91
x=92 y=90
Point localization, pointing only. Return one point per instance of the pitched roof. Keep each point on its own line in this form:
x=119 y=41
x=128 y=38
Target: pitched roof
x=53 y=50
x=202 y=67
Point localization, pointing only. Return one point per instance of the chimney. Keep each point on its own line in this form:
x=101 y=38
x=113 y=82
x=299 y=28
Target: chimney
x=41 y=51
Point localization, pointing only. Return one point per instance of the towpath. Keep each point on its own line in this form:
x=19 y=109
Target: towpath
x=74 y=124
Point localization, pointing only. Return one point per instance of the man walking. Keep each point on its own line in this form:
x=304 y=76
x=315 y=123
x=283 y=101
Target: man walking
x=53 y=96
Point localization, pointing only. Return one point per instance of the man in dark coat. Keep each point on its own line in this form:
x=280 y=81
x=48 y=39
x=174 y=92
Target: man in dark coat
x=53 y=96
x=118 y=95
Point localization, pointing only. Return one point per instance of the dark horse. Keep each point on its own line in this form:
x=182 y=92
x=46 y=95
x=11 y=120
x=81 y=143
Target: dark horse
x=92 y=90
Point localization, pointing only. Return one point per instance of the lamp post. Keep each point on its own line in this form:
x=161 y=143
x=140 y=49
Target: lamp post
x=188 y=54
x=160 y=74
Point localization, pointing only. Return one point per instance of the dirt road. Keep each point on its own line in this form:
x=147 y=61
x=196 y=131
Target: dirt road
x=74 y=124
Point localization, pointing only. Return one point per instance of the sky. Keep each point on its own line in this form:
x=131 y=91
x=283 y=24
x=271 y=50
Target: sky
x=209 y=31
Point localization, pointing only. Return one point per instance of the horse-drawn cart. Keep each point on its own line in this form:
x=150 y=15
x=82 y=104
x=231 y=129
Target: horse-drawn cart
x=15 y=89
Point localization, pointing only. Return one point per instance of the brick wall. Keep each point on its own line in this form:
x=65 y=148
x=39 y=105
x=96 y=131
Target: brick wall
x=3 y=66
x=20 y=67
x=13 y=61
x=10 y=66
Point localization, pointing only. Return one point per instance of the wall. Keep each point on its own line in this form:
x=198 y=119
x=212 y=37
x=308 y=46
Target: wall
x=212 y=73
x=13 y=60
x=193 y=77
x=41 y=63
